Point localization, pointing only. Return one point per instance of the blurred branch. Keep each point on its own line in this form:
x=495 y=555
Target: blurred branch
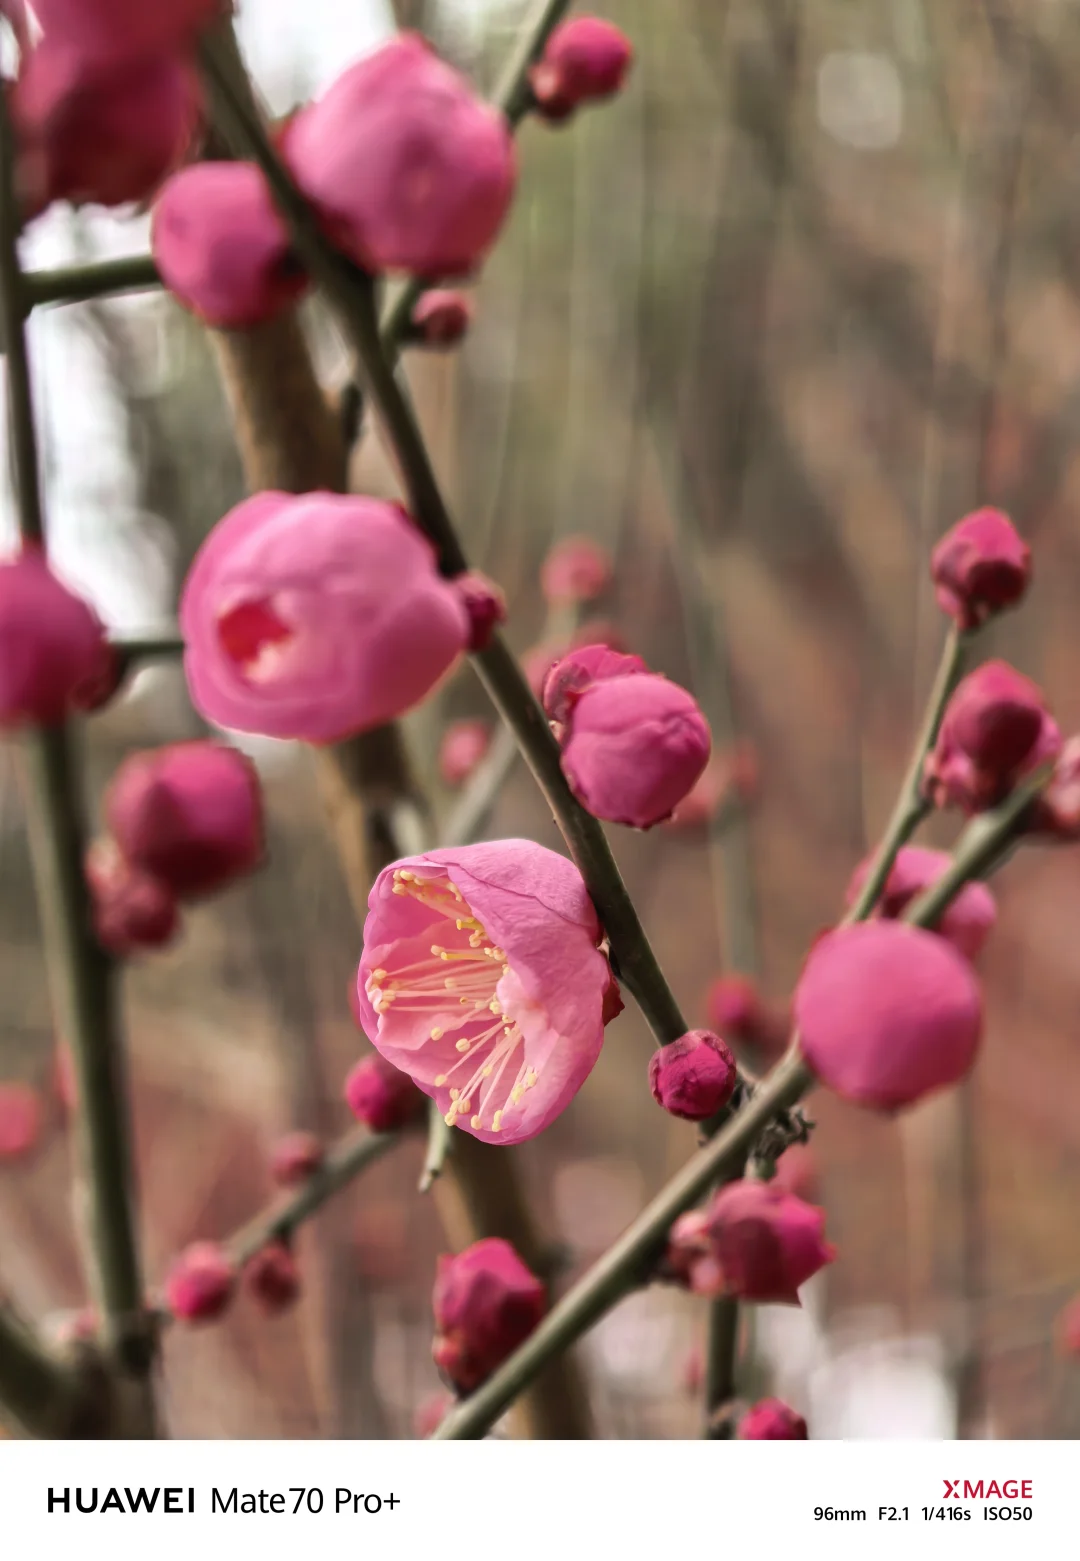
x=470 y=814
x=75 y=284
x=37 y=1393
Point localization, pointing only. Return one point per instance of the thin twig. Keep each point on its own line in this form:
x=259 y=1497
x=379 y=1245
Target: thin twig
x=440 y=1138
x=37 y=1392
x=76 y=284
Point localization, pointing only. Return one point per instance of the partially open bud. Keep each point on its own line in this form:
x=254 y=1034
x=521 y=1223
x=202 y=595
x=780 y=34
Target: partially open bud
x=132 y=911
x=485 y=604
x=295 y=1158
x=441 y=317
x=486 y=1303
x=272 y=1278
x=54 y=654
x=771 y=1420
x=995 y=730
x=189 y=814
x=381 y=1096
x=887 y=1013
x=980 y=567
x=20 y=1121
x=568 y=678
x=753 y=1241
x=585 y=60
x=463 y=747
x=201 y=1282
x=222 y=248
x=576 y=570
x=968 y=920
x=694 y=1076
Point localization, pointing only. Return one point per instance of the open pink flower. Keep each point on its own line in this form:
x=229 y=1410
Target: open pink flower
x=95 y=130
x=316 y=617
x=633 y=748
x=771 y=1420
x=55 y=658
x=753 y=1241
x=887 y=1013
x=221 y=246
x=576 y=570
x=132 y=911
x=125 y=29
x=20 y=1121
x=481 y=979
x=979 y=567
x=463 y=747
x=996 y=729
x=486 y=1303
x=408 y=169
x=968 y=921
x=188 y=814
x=585 y=60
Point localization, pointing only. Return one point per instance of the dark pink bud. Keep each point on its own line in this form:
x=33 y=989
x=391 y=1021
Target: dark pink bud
x=576 y=570
x=381 y=1096
x=441 y=317
x=995 y=730
x=126 y=29
x=771 y=1421
x=486 y=1303
x=633 y=748
x=735 y=1008
x=613 y=1004
x=766 y=1242
x=430 y=1414
x=887 y=1013
x=20 y=1121
x=132 y=911
x=485 y=605
x=54 y=655
x=200 y=1284
x=567 y=679
x=221 y=247
x=408 y=169
x=189 y=814
x=96 y=130
x=272 y=1278
x=693 y=1077
x=968 y=920
x=585 y=61
x=463 y=747
x=979 y=567
x=1057 y=811
x=295 y=1158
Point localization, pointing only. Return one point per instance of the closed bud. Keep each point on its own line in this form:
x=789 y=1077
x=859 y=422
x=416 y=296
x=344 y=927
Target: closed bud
x=381 y=1096
x=485 y=605
x=585 y=60
x=576 y=570
x=486 y=1303
x=967 y=921
x=693 y=1077
x=131 y=910
x=441 y=317
x=295 y=1158
x=753 y=1241
x=463 y=747
x=979 y=567
x=771 y=1420
x=995 y=730
x=201 y=1282
x=736 y=1008
x=272 y=1278
x=55 y=658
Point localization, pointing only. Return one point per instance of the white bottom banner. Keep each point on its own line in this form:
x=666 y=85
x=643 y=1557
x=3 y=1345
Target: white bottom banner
x=559 y=1500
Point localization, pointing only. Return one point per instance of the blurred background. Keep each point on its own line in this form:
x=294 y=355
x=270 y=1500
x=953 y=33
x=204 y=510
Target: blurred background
x=765 y=326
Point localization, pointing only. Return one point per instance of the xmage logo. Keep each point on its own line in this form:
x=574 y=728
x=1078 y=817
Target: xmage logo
x=988 y=1490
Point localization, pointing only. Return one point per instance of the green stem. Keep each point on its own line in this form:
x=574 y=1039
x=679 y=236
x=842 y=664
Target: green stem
x=13 y=309
x=76 y=284
x=36 y=1392
x=440 y=1137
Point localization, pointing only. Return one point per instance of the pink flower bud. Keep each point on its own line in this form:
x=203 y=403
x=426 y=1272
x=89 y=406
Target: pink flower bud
x=633 y=748
x=486 y=1303
x=295 y=1158
x=20 y=1121
x=771 y=1421
x=995 y=730
x=759 y=1243
x=694 y=1076
x=485 y=605
x=132 y=911
x=272 y=1278
x=126 y=29
x=969 y=919
x=613 y=1004
x=316 y=617
x=189 y=814
x=54 y=656
x=463 y=747
x=979 y=567
x=381 y=1096
x=568 y=678
x=407 y=168
x=576 y=570
x=585 y=61
x=736 y=1010
x=221 y=247
x=200 y=1284
x=95 y=130
x=441 y=317
x=887 y=1013
x=430 y=1414
x=1056 y=812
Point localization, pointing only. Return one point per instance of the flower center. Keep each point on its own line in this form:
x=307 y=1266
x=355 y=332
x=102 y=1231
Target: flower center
x=249 y=634
x=462 y=973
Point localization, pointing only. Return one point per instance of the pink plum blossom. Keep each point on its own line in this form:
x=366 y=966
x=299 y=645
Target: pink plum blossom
x=967 y=922
x=753 y=1241
x=771 y=1420
x=272 y=1278
x=482 y=980
x=20 y=1121
x=576 y=570
x=126 y=29
x=55 y=658
x=694 y=1076
x=486 y=1302
x=188 y=814
x=441 y=317
x=222 y=248
x=99 y=131
x=579 y=669
x=737 y=1011
x=584 y=61
x=995 y=730
x=132 y=910
x=407 y=168
x=381 y=1096
x=887 y=1013
x=633 y=748
x=201 y=1282
x=295 y=1158
x=979 y=567
x=463 y=747
x=316 y=617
